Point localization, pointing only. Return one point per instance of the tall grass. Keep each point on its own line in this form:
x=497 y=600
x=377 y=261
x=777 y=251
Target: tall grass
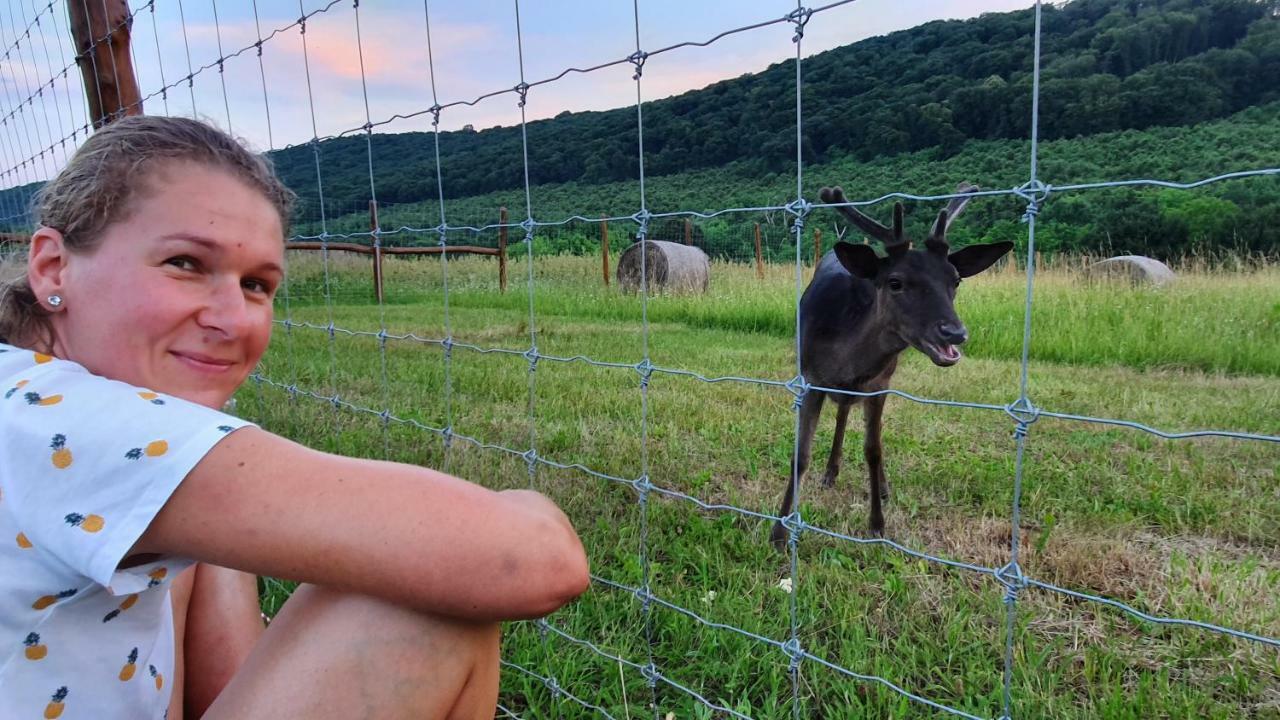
x=1208 y=320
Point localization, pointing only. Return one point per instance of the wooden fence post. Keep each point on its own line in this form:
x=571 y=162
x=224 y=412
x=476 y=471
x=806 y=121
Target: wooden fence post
x=377 y=250
x=502 y=249
x=604 y=245
x=688 y=231
x=759 y=257
x=101 y=34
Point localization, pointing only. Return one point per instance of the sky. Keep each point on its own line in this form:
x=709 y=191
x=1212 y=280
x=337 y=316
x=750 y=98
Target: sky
x=372 y=63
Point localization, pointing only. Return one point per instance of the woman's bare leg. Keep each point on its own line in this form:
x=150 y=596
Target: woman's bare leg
x=335 y=654
x=223 y=624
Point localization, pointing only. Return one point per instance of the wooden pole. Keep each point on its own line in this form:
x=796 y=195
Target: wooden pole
x=759 y=257
x=502 y=249
x=604 y=245
x=100 y=29
x=377 y=250
x=688 y=231
x=817 y=246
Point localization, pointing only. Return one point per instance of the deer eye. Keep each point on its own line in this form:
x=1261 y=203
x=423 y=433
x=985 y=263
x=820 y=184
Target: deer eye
x=895 y=284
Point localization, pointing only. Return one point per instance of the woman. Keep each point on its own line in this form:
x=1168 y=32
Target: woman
x=136 y=515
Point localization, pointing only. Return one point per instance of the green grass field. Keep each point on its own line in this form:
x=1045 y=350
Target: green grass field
x=1178 y=528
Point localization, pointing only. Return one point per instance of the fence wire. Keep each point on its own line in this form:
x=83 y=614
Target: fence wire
x=20 y=129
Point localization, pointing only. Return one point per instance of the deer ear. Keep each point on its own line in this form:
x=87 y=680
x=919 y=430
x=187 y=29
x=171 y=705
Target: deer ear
x=860 y=260
x=976 y=258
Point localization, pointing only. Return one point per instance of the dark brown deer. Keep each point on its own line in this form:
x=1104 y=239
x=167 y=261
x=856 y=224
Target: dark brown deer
x=860 y=312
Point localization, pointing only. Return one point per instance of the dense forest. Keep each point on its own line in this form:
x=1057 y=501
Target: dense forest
x=1167 y=85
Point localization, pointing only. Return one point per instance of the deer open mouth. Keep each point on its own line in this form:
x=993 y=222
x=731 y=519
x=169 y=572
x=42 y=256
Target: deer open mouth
x=941 y=355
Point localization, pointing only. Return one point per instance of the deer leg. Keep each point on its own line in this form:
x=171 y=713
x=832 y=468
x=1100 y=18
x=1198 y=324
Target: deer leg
x=810 y=410
x=837 y=445
x=873 y=407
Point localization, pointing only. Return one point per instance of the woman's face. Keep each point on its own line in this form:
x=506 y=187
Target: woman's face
x=177 y=297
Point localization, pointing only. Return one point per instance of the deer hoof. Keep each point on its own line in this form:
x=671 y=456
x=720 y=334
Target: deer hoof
x=829 y=479
x=885 y=490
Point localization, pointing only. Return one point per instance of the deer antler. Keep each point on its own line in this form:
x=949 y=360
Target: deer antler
x=893 y=240
x=937 y=239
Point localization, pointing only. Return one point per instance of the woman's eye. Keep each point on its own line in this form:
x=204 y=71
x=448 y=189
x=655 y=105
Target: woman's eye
x=257 y=286
x=182 y=262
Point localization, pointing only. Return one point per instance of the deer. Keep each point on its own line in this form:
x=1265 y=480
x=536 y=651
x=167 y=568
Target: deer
x=859 y=313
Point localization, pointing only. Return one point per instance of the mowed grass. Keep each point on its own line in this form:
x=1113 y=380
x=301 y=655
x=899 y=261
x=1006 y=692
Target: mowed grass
x=1180 y=528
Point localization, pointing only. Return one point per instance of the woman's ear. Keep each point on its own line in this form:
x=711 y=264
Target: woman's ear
x=47 y=264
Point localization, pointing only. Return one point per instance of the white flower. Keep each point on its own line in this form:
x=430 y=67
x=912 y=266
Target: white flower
x=711 y=595
x=785 y=584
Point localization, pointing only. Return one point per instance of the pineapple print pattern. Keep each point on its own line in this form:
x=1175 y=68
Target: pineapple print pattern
x=16 y=387
x=130 y=667
x=34 y=398
x=61 y=457
x=84 y=456
x=35 y=650
x=53 y=710
x=153 y=398
x=157 y=576
x=128 y=603
x=88 y=523
x=45 y=601
x=153 y=449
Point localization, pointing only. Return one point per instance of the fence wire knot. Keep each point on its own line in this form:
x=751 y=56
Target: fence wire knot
x=530 y=459
x=1024 y=413
x=1035 y=193
x=333 y=329
x=637 y=58
x=259 y=46
x=799 y=387
x=523 y=91
x=335 y=400
x=553 y=686
x=645 y=368
x=642 y=485
x=641 y=217
x=292 y=390
x=446 y=435
x=794 y=651
x=800 y=16
x=651 y=675
x=435 y=114
x=447 y=344
x=1013 y=580
x=799 y=208
x=386 y=417
x=794 y=524
x=528 y=224
x=532 y=356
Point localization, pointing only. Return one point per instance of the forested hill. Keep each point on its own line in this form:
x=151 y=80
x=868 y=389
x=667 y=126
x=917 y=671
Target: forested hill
x=1106 y=65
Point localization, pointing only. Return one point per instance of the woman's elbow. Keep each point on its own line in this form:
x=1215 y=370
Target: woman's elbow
x=563 y=575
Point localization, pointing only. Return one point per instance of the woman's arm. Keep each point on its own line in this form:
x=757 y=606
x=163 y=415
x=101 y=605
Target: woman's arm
x=420 y=538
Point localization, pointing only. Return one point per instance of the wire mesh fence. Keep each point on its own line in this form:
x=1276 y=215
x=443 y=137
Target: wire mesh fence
x=42 y=123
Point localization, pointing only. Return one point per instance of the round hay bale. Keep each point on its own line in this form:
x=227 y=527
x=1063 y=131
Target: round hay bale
x=1136 y=269
x=671 y=267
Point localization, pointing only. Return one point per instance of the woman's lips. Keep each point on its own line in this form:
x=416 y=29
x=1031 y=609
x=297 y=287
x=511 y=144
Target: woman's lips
x=203 y=363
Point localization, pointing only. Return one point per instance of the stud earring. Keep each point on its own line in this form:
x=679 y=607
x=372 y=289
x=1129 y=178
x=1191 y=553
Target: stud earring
x=55 y=300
